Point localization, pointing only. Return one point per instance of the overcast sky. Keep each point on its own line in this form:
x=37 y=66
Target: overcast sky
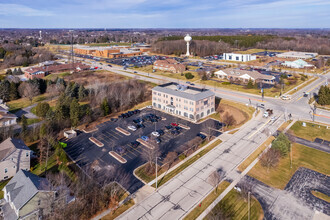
x=164 y=13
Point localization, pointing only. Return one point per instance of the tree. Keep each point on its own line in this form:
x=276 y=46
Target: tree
x=324 y=95
x=74 y=112
x=24 y=125
x=19 y=71
x=214 y=180
x=9 y=72
x=189 y=75
x=42 y=108
x=28 y=90
x=270 y=158
x=81 y=93
x=105 y=107
x=150 y=155
x=250 y=84
x=15 y=72
x=5 y=90
x=13 y=93
x=170 y=158
x=228 y=119
x=204 y=77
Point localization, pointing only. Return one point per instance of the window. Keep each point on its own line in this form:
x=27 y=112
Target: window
x=6 y=170
x=237 y=58
x=197 y=109
x=206 y=102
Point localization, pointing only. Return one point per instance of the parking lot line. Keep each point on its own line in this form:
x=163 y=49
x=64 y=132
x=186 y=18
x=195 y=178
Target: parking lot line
x=126 y=155
x=136 y=149
x=131 y=151
x=106 y=139
x=111 y=135
x=118 y=133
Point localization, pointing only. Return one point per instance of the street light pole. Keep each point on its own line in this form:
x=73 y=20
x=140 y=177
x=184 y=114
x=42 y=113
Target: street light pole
x=156 y=172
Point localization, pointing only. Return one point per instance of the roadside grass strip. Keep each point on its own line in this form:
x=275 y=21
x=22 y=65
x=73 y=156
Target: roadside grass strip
x=117 y=157
x=89 y=130
x=123 y=131
x=184 y=126
x=97 y=142
x=146 y=144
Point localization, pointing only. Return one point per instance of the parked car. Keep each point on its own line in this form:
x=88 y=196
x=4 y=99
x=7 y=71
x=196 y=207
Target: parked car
x=140 y=126
x=175 y=132
x=132 y=127
x=161 y=132
x=114 y=119
x=168 y=127
x=120 y=150
x=201 y=136
x=135 y=144
x=158 y=140
x=155 y=133
x=145 y=138
x=174 y=124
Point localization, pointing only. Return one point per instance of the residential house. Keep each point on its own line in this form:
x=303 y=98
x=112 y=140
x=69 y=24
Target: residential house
x=27 y=196
x=299 y=64
x=6 y=118
x=238 y=57
x=243 y=76
x=169 y=65
x=14 y=156
x=189 y=102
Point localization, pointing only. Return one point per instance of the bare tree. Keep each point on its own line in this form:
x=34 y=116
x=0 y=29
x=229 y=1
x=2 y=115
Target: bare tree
x=214 y=180
x=270 y=158
x=28 y=90
x=229 y=119
x=150 y=154
x=170 y=158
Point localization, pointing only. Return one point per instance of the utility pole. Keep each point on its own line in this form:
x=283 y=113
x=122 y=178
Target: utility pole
x=314 y=111
x=291 y=156
x=71 y=54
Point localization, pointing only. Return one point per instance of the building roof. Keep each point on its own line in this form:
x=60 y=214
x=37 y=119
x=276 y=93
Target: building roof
x=23 y=186
x=55 y=68
x=9 y=145
x=252 y=74
x=168 y=63
x=191 y=93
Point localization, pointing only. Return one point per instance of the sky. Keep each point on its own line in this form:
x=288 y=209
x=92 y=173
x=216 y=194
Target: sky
x=164 y=13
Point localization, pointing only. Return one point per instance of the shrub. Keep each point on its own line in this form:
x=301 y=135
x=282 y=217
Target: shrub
x=226 y=83
x=182 y=156
x=189 y=75
x=42 y=109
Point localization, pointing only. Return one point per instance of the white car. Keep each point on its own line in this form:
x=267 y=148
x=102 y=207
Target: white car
x=131 y=127
x=286 y=97
x=149 y=106
x=155 y=133
x=265 y=115
x=273 y=118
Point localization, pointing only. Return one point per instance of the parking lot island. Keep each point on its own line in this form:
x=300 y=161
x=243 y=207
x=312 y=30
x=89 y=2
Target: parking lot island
x=97 y=142
x=146 y=144
x=117 y=157
x=89 y=130
x=123 y=131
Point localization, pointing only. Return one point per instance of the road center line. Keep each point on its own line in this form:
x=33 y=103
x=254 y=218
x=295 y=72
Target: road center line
x=259 y=129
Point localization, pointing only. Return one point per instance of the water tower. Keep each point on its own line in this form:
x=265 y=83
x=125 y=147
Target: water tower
x=40 y=35
x=187 y=38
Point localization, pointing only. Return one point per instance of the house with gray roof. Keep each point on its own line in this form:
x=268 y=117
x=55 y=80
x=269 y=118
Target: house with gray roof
x=27 y=196
x=182 y=100
x=14 y=156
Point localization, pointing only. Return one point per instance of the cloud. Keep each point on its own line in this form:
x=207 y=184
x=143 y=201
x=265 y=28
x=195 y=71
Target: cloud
x=21 y=10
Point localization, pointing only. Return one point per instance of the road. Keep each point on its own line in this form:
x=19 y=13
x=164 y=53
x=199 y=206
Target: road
x=182 y=193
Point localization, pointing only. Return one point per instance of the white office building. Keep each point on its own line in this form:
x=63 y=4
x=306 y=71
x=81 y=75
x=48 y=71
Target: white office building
x=238 y=57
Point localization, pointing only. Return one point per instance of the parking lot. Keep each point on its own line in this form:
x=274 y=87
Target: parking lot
x=85 y=153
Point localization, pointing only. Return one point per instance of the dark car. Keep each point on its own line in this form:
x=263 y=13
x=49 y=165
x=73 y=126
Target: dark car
x=168 y=127
x=178 y=128
x=140 y=126
x=201 y=136
x=175 y=132
x=114 y=119
x=158 y=140
x=120 y=150
x=161 y=132
x=153 y=120
x=135 y=144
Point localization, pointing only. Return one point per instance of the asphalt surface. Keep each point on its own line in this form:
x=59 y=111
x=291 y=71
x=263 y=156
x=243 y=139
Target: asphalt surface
x=181 y=194
x=318 y=144
x=86 y=154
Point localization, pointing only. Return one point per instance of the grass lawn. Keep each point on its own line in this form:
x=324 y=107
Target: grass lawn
x=187 y=163
x=321 y=196
x=255 y=154
x=237 y=207
x=247 y=111
x=279 y=176
x=31 y=121
x=207 y=201
x=114 y=214
x=284 y=125
x=302 y=86
x=271 y=92
x=2 y=184
x=311 y=131
x=55 y=75
x=40 y=168
x=18 y=104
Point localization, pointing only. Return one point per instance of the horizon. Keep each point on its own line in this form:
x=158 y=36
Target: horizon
x=171 y=14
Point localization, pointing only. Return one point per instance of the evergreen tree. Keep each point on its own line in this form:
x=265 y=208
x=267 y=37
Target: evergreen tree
x=9 y=72
x=24 y=125
x=15 y=72
x=13 y=92
x=81 y=93
x=324 y=95
x=5 y=90
x=250 y=84
x=105 y=107
x=42 y=108
x=19 y=71
x=74 y=112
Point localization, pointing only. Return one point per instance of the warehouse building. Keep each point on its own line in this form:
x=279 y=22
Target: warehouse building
x=238 y=57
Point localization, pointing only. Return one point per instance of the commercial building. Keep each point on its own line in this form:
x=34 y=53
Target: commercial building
x=169 y=65
x=14 y=156
x=243 y=76
x=297 y=55
x=238 y=57
x=27 y=196
x=111 y=52
x=299 y=64
x=190 y=102
x=40 y=72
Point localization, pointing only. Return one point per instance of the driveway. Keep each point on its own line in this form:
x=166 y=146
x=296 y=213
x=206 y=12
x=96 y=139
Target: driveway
x=318 y=144
x=26 y=112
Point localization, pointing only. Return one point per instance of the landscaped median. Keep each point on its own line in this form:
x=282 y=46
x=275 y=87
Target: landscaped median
x=123 y=131
x=90 y=129
x=97 y=142
x=117 y=157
